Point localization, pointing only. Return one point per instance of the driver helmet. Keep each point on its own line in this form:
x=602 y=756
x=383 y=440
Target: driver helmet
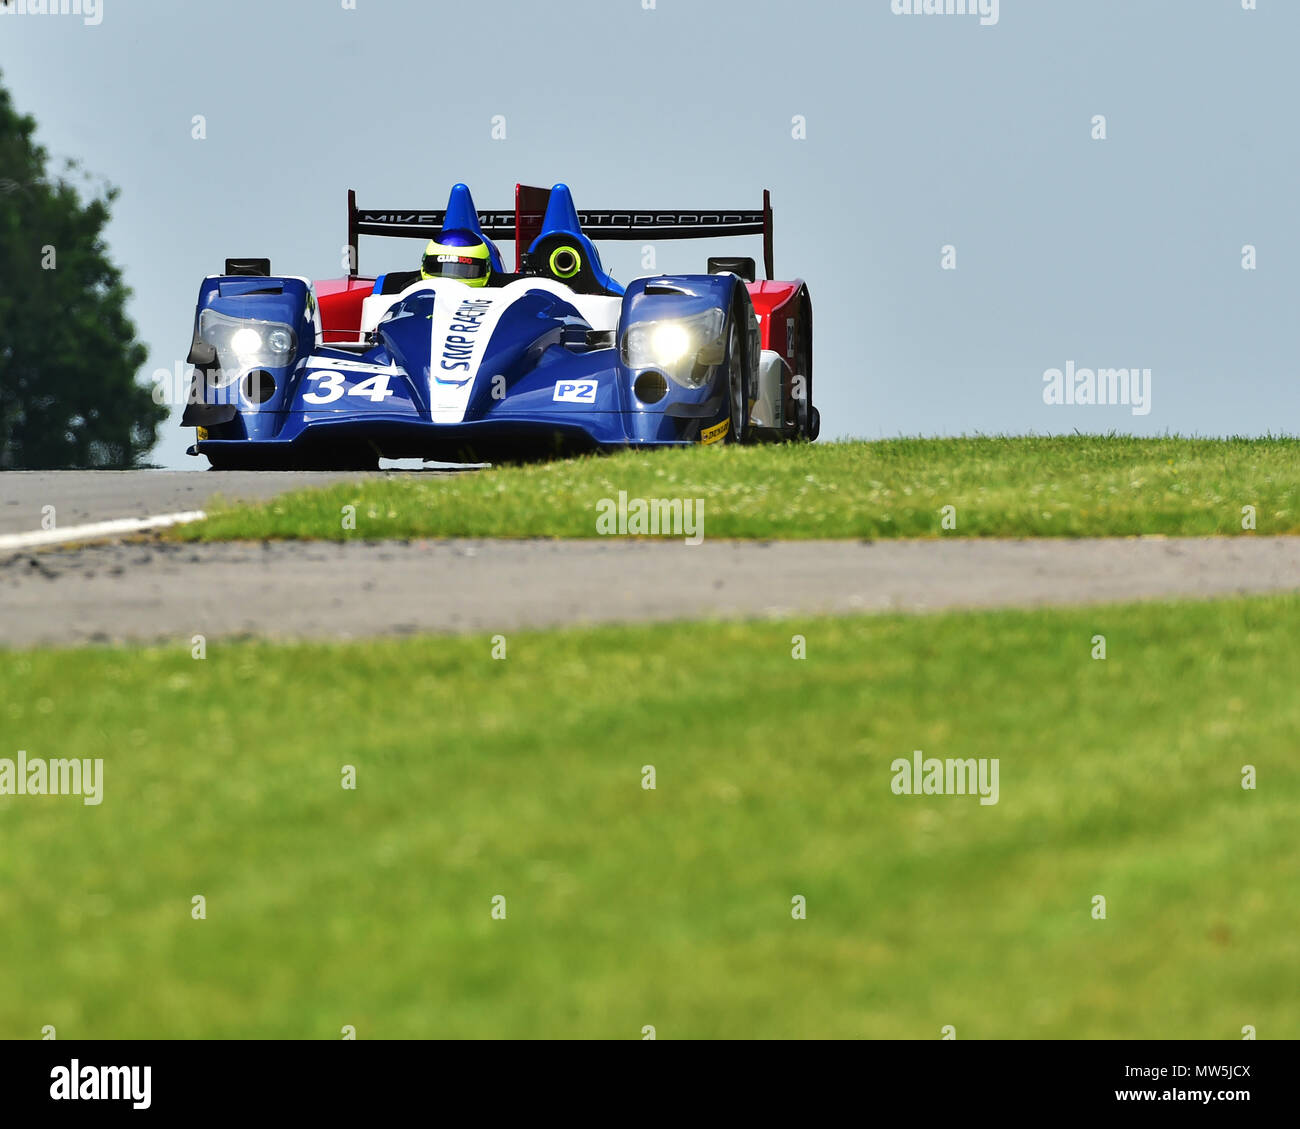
x=460 y=255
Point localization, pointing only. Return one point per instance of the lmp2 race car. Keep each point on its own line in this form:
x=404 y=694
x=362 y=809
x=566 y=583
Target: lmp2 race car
x=460 y=361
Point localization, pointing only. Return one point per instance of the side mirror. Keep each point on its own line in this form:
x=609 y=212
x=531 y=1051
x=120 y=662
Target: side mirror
x=254 y=268
x=202 y=355
x=743 y=267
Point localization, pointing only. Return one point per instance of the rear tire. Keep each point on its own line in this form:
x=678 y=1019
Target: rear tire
x=809 y=419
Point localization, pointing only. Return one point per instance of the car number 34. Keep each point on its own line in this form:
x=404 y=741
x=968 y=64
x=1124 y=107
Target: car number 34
x=330 y=387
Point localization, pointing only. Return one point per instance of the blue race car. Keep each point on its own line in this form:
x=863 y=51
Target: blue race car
x=462 y=361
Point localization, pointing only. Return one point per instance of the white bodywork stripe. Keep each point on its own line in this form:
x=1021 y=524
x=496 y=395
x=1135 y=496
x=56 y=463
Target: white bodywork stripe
x=449 y=390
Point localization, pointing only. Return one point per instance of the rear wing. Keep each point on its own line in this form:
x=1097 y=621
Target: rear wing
x=525 y=223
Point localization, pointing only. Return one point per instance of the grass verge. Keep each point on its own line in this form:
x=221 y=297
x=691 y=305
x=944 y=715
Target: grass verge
x=1077 y=486
x=670 y=907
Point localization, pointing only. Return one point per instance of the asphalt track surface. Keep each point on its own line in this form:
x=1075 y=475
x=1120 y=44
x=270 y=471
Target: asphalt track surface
x=82 y=497
x=165 y=592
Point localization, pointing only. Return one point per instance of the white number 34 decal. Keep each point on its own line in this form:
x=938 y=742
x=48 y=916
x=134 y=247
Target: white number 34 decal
x=329 y=387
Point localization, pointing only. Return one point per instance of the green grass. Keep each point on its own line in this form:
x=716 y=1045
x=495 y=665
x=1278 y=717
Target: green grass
x=671 y=907
x=1073 y=486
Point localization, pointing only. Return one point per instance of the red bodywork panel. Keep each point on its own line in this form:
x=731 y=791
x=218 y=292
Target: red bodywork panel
x=785 y=324
x=340 y=307
x=776 y=304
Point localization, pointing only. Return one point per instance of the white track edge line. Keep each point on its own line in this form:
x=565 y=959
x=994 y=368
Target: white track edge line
x=117 y=528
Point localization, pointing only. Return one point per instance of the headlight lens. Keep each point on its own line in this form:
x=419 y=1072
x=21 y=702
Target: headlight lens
x=244 y=343
x=670 y=342
x=280 y=341
x=682 y=347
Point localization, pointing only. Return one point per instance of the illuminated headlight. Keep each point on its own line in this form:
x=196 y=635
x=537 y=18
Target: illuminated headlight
x=669 y=342
x=244 y=343
x=682 y=347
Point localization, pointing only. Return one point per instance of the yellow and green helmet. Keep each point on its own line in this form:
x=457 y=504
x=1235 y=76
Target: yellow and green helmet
x=459 y=255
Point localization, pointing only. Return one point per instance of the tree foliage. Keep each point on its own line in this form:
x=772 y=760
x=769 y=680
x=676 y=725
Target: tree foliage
x=68 y=352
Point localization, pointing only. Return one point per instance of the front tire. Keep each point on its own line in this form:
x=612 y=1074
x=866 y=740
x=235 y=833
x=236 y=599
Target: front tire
x=740 y=380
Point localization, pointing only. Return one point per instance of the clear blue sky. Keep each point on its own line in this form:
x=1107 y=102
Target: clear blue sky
x=922 y=131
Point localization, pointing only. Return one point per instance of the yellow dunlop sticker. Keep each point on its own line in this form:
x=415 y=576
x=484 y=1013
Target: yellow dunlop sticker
x=201 y=433
x=716 y=432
